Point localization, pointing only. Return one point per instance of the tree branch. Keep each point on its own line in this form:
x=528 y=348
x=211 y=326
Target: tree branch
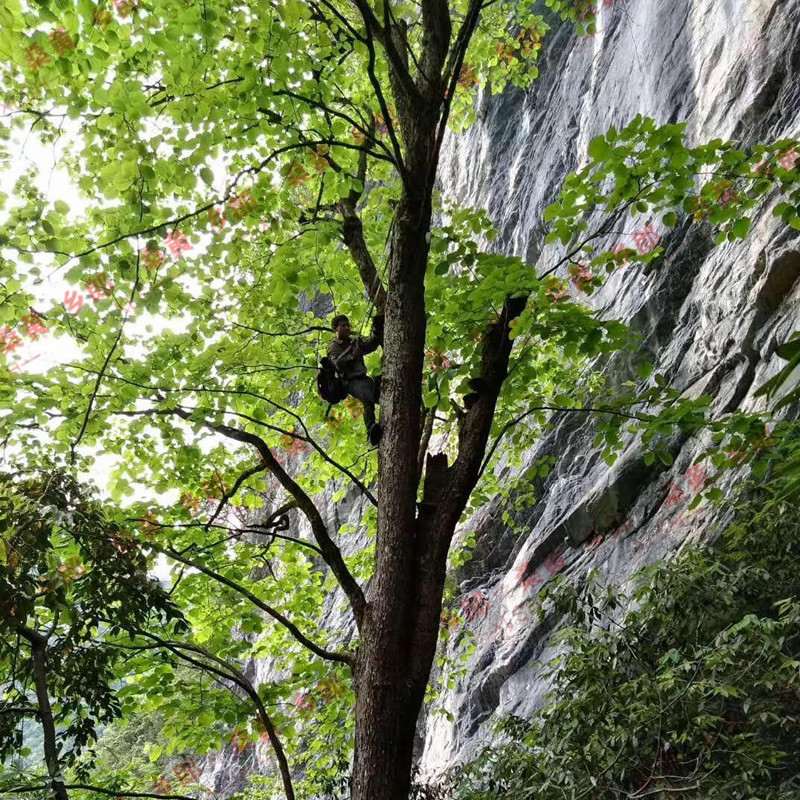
x=276 y=615
x=353 y=235
x=330 y=552
x=96 y=388
x=228 y=495
x=312 y=329
x=240 y=680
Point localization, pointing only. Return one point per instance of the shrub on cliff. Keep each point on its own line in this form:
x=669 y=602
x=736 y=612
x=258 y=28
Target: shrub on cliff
x=692 y=692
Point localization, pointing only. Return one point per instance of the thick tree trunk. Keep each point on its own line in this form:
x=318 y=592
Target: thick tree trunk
x=389 y=698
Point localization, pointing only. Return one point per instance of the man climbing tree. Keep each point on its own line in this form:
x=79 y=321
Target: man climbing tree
x=348 y=357
x=222 y=107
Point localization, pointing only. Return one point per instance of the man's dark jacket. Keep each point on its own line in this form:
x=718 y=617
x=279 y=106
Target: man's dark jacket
x=347 y=364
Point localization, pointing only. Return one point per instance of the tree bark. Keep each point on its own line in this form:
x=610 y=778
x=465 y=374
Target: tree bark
x=400 y=625
x=39 y=655
x=388 y=699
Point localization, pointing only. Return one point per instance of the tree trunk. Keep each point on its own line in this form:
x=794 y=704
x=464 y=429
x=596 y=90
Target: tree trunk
x=389 y=699
x=38 y=654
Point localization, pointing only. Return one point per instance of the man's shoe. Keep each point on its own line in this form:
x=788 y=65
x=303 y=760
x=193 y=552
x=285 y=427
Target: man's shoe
x=374 y=435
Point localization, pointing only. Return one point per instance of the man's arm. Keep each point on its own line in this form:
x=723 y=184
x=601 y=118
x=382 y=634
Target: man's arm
x=342 y=355
x=369 y=345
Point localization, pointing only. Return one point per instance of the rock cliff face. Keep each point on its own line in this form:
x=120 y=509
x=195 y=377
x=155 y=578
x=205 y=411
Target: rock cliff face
x=710 y=317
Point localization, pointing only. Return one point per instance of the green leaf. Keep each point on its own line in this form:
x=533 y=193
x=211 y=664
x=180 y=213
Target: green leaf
x=741 y=227
x=599 y=149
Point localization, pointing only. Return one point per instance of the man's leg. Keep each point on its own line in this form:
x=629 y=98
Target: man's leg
x=364 y=390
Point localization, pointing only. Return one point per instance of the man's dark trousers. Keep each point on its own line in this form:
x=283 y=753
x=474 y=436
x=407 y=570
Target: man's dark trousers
x=368 y=392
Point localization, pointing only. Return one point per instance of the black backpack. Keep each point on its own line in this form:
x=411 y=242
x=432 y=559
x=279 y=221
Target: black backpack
x=330 y=387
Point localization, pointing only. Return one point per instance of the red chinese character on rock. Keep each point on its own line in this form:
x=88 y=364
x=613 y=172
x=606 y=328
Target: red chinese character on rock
x=330 y=688
x=354 y=407
x=10 y=340
x=504 y=51
x=188 y=769
x=17 y=367
x=697 y=477
x=380 y=125
x=263 y=736
x=36 y=57
x=699 y=207
x=761 y=442
x=304 y=702
x=674 y=494
x=588 y=7
x=177 y=243
x=645 y=538
x=299 y=446
x=646 y=239
x=101 y=17
x=191 y=502
x=520 y=571
x=618 y=248
x=242 y=203
x=71 y=570
x=33 y=327
x=122 y=542
x=467 y=77
x=625 y=528
x=318 y=158
x=581 y=276
x=148 y=525
x=474 y=605
x=125 y=7
x=61 y=41
x=99 y=287
x=285 y=441
x=553 y=563
x=530 y=40
x=240 y=739
x=296 y=174
x=725 y=192
x=560 y=295
x=214 y=488
x=38 y=83
x=450 y=618
x=164 y=786
x=787 y=161
x=738 y=456
x=217 y=219
x=44 y=583
x=335 y=420
x=152 y=258
x=437 y=360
